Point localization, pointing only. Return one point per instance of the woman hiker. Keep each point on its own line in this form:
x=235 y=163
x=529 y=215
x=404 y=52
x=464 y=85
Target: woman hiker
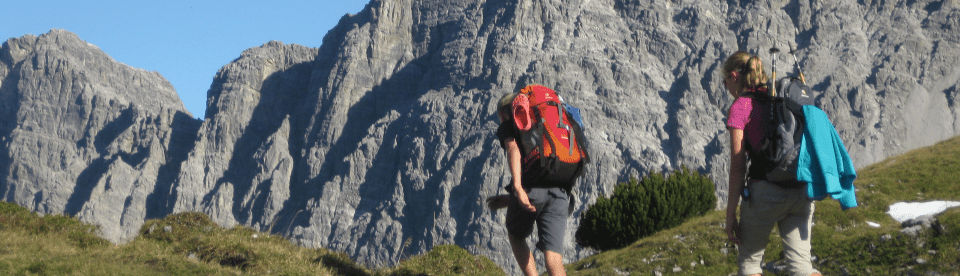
x=764 y=203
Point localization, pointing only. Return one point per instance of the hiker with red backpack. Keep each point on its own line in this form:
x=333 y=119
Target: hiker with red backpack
x=545 y=151
x=765 y=203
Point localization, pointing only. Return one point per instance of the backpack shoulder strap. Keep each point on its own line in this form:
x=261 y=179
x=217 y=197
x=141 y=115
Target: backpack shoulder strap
x=581 y=139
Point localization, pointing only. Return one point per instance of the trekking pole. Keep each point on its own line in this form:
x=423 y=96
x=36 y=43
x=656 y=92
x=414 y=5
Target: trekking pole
x=797 y=63
x=773 y=78
x=793 y=52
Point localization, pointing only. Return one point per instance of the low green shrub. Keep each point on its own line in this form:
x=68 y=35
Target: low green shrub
x=640 y=208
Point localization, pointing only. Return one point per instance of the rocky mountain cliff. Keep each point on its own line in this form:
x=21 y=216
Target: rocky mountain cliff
x=85 y=135
x=380 y=143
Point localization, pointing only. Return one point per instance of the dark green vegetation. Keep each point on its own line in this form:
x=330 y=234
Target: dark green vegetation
x=190 y=244
x=640 y=208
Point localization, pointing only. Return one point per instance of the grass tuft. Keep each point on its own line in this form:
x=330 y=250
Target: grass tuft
x=447 y=260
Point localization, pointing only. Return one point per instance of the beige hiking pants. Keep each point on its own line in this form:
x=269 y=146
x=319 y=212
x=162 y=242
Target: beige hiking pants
x=791 y=211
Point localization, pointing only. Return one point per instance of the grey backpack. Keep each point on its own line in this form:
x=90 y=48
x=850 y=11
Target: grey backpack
x=784 y=131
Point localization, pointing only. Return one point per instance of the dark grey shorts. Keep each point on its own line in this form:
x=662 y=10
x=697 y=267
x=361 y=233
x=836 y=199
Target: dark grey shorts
x=551 y=217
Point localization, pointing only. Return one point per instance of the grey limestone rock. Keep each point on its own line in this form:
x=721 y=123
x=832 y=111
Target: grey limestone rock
x=380 y=143
x=85 y=135
x=241 y=167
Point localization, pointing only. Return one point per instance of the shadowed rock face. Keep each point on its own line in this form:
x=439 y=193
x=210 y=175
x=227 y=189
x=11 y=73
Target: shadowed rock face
x=381 y=142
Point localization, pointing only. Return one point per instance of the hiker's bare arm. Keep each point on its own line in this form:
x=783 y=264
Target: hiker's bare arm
x=738 y=169
x=513 y=157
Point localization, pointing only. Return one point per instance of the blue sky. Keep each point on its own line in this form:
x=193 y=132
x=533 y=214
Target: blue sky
x=186 y=41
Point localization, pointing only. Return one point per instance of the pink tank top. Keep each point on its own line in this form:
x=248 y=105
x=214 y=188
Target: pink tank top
x=746 y=116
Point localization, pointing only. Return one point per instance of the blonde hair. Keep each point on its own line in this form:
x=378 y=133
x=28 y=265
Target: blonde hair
x=749 y=68
x=505 y=107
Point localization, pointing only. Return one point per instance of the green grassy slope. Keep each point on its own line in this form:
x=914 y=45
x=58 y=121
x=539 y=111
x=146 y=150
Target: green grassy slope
x=189 y=244
x=843 y=243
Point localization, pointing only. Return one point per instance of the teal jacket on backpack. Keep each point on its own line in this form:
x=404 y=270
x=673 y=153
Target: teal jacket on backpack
x=824 y=162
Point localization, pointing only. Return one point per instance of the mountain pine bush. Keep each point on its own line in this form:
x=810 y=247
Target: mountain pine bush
x=640 y=208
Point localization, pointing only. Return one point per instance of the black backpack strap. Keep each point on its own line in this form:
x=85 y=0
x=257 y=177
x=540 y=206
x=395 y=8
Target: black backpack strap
x=542 y=129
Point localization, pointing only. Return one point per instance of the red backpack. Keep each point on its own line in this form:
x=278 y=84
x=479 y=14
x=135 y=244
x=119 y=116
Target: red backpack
x=553 y=141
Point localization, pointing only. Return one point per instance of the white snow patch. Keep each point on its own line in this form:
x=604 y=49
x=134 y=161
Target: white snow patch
x=873 y=224
x=904 y=211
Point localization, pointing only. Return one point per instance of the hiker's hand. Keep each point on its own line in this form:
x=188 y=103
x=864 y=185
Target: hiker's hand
x=733 y=229
x=525 y=203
